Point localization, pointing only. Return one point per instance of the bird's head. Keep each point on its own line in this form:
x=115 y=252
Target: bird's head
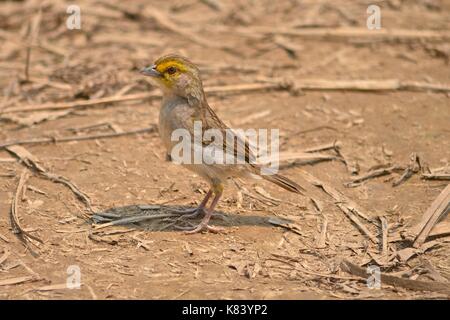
x=175 y=75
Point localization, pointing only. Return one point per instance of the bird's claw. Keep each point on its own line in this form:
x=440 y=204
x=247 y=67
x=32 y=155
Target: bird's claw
x=200 y=228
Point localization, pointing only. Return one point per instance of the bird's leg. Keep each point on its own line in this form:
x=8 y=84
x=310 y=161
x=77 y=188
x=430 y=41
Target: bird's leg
x=203 y=225
x=194 y=212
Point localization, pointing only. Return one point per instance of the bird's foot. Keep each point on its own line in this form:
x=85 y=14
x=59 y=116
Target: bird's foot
x=204 y=227
x=200 y=228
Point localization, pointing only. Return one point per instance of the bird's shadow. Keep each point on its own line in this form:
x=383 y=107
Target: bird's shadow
x=162 y=218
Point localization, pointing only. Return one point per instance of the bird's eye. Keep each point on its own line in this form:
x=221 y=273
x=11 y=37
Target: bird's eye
x=171 y=70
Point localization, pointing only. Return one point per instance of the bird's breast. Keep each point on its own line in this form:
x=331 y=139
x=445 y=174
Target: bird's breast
x=175 y=115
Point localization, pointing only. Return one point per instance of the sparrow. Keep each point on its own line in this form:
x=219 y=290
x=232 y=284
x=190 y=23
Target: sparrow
x=184 y=105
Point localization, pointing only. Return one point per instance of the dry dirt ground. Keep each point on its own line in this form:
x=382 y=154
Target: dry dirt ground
x=43 y=64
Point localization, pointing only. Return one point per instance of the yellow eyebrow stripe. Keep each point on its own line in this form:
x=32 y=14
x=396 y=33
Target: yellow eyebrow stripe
x=162 y=67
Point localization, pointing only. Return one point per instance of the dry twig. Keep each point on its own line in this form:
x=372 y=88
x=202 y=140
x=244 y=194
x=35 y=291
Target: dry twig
x=346 y=205
x=414 y=166
x=435 y=286
x=17 y=280
x=32 y=162
x=17 y=229
x=134 y=219
x=437 y=210
x=357 y=181
x=384 y=237
x=76 y=138
x=273 y=84
x=436 y=176
x=346 y=33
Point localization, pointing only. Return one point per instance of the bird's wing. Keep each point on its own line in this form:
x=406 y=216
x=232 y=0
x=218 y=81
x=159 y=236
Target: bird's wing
x=240 y=145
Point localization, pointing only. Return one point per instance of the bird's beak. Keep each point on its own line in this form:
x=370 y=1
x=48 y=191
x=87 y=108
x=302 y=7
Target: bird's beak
x=151 y=72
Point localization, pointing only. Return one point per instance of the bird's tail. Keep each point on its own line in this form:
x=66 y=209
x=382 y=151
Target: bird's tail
x=284 y=182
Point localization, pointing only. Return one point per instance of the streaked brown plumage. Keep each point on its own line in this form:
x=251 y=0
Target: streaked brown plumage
x=183 y=103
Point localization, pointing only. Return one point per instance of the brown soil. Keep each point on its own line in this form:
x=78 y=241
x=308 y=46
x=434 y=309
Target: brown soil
x=252 y=258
